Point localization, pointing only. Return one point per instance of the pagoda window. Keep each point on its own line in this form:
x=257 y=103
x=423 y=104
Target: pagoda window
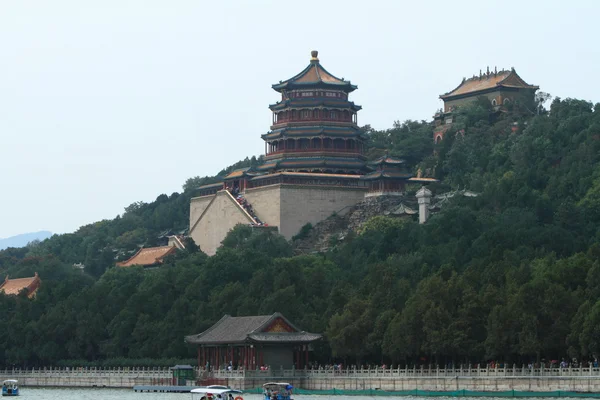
x=294 y=115
x=325 y=113
x=506 y=101
x=315 y=143
x=494 y=102
x=304 y=144
x=338 y=144
x=346 y=116
x=315 y=114
x=306 y=114
x=327 y=143
x=333 y=115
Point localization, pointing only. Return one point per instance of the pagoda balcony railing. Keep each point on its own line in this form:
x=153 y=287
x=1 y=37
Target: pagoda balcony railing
x=312 y=121
x=316 y=150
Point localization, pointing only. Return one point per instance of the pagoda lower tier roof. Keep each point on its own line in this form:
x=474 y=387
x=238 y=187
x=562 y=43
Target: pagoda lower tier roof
x=314 y=162
x=306 y=175
x=313 y=131
x=386 y=175
x=314 y=103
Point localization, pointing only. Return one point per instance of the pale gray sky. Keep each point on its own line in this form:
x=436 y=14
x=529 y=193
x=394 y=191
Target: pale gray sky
x=107 y=102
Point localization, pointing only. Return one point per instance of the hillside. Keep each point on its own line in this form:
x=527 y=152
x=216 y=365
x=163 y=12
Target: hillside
x=23 y=239
x=512 y=274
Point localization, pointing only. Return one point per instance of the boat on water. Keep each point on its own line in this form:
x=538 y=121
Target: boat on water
x=10 y=387
x=277 y=391
x=216 y=392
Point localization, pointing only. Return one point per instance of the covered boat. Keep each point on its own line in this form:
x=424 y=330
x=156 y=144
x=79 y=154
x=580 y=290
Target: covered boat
x=277 y=391
x=10 y=387
x=216 y=392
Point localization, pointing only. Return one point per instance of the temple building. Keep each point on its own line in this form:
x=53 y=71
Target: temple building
x=149 y=257
x=16 y=286
x=501 y=88
x=388 y=177
x=252 y=342
x=315 y=165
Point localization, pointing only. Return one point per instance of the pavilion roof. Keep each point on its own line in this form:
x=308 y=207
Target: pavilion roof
x=387 y=175
x=148 y=256
x=260 y=328
x=15 y=286
x=314 y=75
x=240 y=173
x=487 y=81
x=387 y=160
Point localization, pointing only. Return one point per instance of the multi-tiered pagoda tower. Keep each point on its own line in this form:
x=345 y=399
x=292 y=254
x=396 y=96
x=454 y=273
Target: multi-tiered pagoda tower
x=314 y=125
x=315 y=165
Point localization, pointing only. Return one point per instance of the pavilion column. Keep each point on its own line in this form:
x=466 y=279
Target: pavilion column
x=199 y=356
x=297 y=358
x=305 y=356
x=262 y=362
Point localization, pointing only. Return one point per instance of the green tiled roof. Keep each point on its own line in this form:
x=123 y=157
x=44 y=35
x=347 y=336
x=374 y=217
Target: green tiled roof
x=315 y=102
x=309 y=131
x=386 y=175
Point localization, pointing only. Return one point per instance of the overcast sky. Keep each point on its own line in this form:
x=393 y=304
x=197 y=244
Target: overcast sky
x=107 y=102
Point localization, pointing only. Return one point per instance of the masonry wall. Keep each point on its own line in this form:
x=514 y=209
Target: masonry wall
x=266 y=203
x=197 y=207
x=220 y=215
x=303 y=204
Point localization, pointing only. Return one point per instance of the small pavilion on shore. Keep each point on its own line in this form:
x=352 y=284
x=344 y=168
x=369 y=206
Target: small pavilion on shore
x=252 y=342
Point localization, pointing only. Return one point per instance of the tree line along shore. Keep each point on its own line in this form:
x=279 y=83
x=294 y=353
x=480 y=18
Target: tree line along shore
x=512 y=275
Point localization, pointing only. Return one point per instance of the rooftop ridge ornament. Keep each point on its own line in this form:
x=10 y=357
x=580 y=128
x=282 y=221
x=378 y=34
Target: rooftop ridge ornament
x=314 y=56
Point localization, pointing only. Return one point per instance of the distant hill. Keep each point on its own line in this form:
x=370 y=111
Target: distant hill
x=24 y=238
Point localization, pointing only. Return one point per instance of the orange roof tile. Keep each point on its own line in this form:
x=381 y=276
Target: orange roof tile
x=508 y=78
x=15 y=286
x=148 y=256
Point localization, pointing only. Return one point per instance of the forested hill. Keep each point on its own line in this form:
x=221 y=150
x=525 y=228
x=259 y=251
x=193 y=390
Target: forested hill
x=512 y=274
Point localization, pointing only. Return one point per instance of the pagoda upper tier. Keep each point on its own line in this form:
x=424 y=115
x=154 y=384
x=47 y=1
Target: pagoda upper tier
x=314 y=124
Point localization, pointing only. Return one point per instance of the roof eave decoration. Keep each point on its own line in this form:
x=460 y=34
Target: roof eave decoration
x=319 y=72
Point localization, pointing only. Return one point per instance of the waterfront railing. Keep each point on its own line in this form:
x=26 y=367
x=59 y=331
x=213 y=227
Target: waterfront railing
x=412 y=372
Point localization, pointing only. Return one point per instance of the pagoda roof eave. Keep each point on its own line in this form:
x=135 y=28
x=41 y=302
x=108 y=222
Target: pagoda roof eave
x=345 y=105
x=347 y=87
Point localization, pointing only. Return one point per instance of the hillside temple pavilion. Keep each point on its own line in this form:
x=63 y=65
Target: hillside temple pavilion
x=501 y=88
x=254 y=341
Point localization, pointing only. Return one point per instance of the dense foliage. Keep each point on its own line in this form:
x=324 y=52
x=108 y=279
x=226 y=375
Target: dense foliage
x=512 y=274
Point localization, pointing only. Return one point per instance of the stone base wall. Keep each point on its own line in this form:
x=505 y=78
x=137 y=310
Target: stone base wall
x=288 y=207
x=489 y=384
x=311 y=204
x=219 y=215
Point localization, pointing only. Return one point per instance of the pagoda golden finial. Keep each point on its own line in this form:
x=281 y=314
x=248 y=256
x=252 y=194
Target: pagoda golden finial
x=313 y=55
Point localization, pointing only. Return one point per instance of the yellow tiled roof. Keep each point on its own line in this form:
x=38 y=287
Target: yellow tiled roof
x=490 y=80
x=148 y=256
x=14 y=286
